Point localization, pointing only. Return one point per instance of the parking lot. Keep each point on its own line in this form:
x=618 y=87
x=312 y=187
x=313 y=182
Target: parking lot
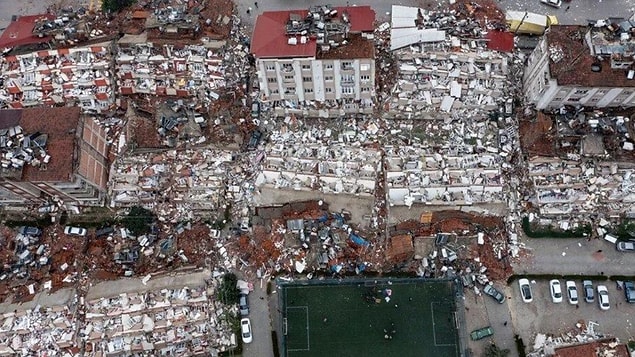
x=531 y=318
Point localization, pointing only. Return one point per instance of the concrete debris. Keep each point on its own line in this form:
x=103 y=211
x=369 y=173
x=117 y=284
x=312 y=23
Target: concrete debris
x=79 y=76
x=168 y=321
x=176 y=184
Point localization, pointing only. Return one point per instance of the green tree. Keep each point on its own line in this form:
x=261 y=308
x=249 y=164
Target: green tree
x=138 y=220
x=227 y=291
x=494 y=351
x=115 y=5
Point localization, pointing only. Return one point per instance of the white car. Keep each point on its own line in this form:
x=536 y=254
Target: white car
x=525 y=290
x=572 y=292
x=603 y=297
x=554 y=3
x=75 y=231
x=556 y=291
x=245 y=330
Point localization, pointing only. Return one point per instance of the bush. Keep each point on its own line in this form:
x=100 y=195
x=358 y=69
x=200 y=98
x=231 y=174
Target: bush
x=520 y=346
x=549 y=232
x=138 y=220
x=227 y=291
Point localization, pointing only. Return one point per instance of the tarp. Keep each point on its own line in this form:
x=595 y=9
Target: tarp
x=358 y=240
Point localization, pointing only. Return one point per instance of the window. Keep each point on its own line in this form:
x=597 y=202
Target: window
x=365 y=89
x=347 y=90
x=347 y=78
x=275 y=91
x=580 y=91
x=272 y=80
x=364 y=67
x=288 y=77
x=308 y=90
x=364 y=77
x=328 y=78
x=328 y=66
x=307 y=79
x=290 y=90
x=287 y=67
x=270 y=67
x=328 y=90
x=347 y=65
x=306 y=66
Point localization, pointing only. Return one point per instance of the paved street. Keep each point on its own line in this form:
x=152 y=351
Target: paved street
x=260 y=323
x=574 y=256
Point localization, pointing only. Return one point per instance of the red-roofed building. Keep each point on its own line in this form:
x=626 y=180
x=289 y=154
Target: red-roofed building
x=20 y=32
x=65 y=156
x=323 y=54
x=578 y=65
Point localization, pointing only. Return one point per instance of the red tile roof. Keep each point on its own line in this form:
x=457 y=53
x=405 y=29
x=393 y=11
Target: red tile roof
x=60 y=127
x=20 y=32
x=270 y=39
x=574 y=68
x=500 y=41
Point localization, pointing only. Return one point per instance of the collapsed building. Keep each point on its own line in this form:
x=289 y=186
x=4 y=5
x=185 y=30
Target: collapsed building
x=79 y=76
x=61 y=159
x=323 y=58
x=169 y=70
x=583 y=66
x=446 y=67
x=184 y=321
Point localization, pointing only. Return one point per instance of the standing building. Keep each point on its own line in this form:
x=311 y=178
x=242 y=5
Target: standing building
x=325 y=55
x=52 y=154
x=580 y=65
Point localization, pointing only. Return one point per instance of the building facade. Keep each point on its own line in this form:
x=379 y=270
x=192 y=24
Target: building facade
x=578 y=65
x=324 y=55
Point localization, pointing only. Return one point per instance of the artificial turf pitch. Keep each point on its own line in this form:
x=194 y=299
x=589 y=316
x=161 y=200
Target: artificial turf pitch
x=341 y=320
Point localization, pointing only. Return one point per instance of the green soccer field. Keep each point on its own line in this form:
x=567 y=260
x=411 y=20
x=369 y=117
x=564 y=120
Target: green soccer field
x=343 y=319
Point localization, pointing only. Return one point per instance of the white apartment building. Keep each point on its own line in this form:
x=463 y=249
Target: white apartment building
x=578 y=65
x=324 y=55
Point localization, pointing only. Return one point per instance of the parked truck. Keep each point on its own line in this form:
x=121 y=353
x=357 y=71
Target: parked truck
x=523 y=22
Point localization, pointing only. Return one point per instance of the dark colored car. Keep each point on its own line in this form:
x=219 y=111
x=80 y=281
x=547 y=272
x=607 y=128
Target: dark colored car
x=629 y=291
x=497 y=295
x=254 y=140
x=102 y=232
x=243 y=305
x=587 y=286
x=481 y=333
x=30 y=231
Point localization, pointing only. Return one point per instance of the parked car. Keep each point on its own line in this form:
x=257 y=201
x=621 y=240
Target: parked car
x=481 y=333
x=587 y=286
x=30 y=231
x=491 y=291
x=554 y=3
x=525 y=290
x=629 y=291
x=556 y=291
x=628 y=246
x=245 y=330
x=243 y=305
x=106 y=231
x=75 y=231
x=572 y=292
x=603 y=297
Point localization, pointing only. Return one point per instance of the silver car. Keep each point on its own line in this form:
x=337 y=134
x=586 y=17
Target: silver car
x=75 y=231
x=625 y=246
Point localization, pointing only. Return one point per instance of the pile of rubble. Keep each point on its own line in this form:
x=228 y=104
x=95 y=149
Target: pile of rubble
x=580 y=340
x=19 y=149
x=40 y=331
x=79 y=75
x=175 y=184
x=167 y=70
x=448 y=164
x=165 y=322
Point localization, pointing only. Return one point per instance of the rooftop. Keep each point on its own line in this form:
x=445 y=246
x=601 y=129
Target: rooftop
x=571 y=60
x=60 y=130
x=270 y=38
x=20 y=32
